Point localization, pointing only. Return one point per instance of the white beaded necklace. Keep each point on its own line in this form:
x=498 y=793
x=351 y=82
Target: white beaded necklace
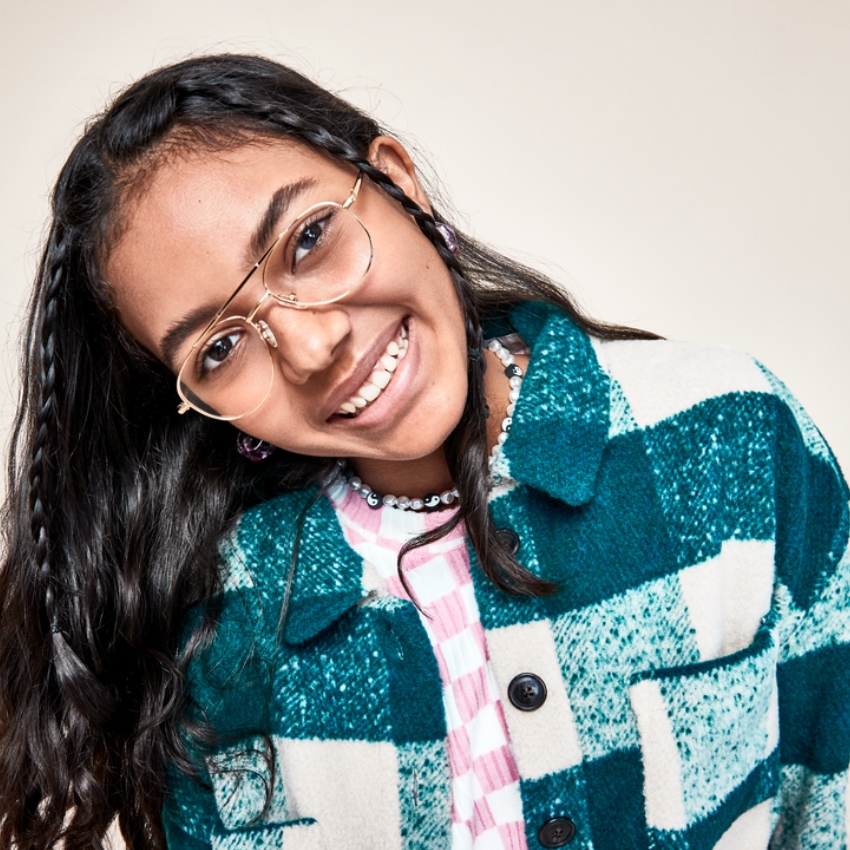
x=432 y=501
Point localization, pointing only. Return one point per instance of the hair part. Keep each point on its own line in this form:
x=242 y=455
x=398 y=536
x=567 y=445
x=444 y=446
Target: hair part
x=116 y=504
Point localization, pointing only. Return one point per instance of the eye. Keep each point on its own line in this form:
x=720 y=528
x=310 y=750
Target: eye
x=307 y=238
x=216 y=351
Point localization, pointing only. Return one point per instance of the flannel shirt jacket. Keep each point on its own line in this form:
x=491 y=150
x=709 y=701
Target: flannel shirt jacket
x=696 y=657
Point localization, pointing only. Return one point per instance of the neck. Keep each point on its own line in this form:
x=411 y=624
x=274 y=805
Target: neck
x=430 y=474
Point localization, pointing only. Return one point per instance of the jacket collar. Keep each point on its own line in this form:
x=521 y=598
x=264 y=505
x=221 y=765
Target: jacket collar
x=561 y=422
x=558 y=435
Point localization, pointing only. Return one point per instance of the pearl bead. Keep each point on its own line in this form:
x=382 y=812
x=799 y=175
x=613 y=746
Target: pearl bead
x=355 y=483
x=402 y=503
x=416 y=504
x=390 y=500
x=513 y=395
x=447 y=497
x=516 y=382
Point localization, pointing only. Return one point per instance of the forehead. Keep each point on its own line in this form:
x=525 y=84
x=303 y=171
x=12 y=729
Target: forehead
x=185 y=236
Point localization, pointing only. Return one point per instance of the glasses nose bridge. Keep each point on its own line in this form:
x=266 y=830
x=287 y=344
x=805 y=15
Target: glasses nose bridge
x=263 y=329
x=267 y=296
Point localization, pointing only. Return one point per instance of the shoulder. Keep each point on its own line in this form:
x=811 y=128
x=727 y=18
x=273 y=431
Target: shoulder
x=662 y=378
x=258 y=551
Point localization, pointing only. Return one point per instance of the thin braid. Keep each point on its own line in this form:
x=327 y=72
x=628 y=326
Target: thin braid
x=79 y=685
x=45 y=419
x=320 y=137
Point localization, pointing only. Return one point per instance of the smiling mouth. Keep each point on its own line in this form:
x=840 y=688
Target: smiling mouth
x=379 y=380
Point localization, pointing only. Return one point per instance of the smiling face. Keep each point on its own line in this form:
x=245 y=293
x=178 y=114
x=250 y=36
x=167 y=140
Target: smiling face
x=392 y=352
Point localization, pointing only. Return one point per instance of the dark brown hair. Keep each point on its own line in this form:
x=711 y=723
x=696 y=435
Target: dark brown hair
x=116 y=504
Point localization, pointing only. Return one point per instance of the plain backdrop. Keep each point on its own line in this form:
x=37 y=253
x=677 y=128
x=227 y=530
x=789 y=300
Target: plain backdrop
x=681 y=166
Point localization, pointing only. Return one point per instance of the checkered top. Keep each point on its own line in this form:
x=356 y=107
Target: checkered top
x=486 y=803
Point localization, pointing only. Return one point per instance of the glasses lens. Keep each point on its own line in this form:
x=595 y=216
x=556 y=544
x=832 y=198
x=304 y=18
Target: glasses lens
x=323 y=256
x=229 y=373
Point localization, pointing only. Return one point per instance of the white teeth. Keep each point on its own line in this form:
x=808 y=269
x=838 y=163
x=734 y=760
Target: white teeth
x=381 y=376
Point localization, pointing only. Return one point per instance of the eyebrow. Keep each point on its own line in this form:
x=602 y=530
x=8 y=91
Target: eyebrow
x=178 y=332
x=278 y=206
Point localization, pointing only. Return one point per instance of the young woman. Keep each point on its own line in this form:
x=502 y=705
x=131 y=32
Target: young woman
x=329 y=527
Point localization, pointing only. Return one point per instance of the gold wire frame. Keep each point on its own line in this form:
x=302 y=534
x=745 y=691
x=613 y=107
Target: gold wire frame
x=291 y=301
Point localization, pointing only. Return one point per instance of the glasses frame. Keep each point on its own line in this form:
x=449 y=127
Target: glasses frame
x=291 y=300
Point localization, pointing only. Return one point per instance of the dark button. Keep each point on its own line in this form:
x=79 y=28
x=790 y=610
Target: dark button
x=510 y=538
x=556 y=832
x=527 y=692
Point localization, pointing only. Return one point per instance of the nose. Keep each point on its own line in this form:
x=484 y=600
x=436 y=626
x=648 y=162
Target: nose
x=308 y=341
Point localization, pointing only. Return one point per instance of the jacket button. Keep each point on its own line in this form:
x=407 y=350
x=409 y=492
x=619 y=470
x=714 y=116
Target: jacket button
x=510 y=539
x=527 y=692
x=556 y=832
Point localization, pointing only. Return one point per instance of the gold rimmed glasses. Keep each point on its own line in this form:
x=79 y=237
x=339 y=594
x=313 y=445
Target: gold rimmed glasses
x=320 y=258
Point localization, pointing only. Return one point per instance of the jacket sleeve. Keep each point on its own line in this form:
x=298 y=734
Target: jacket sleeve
x=179 y=840
x=189 y=814
x=813 y=677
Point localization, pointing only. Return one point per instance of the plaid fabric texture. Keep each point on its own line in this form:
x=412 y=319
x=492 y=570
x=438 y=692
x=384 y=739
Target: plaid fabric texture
x=486 y=803
x=696 y=655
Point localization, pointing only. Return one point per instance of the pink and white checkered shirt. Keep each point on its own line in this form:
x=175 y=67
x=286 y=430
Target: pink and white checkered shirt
x=486 y=802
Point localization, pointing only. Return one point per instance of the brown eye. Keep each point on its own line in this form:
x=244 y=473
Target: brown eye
x=307 y=238
x=216 y=351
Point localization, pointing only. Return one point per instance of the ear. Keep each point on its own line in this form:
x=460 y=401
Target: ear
x=389 y=155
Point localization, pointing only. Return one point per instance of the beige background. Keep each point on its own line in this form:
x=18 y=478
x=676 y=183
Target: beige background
x=683 y=166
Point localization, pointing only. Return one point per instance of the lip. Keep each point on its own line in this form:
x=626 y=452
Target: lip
x=383 y=410
x=358 y=377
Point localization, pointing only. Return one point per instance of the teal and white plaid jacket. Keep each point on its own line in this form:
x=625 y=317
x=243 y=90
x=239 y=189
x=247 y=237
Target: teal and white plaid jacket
x=696 y=658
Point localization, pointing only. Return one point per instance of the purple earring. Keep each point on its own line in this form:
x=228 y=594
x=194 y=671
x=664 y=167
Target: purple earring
x=449 y=237
x=252 y=448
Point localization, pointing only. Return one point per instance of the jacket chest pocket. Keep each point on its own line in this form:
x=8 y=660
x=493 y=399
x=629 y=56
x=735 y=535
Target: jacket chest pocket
x=306 y=793
x=251 y=802
x=707 y=733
